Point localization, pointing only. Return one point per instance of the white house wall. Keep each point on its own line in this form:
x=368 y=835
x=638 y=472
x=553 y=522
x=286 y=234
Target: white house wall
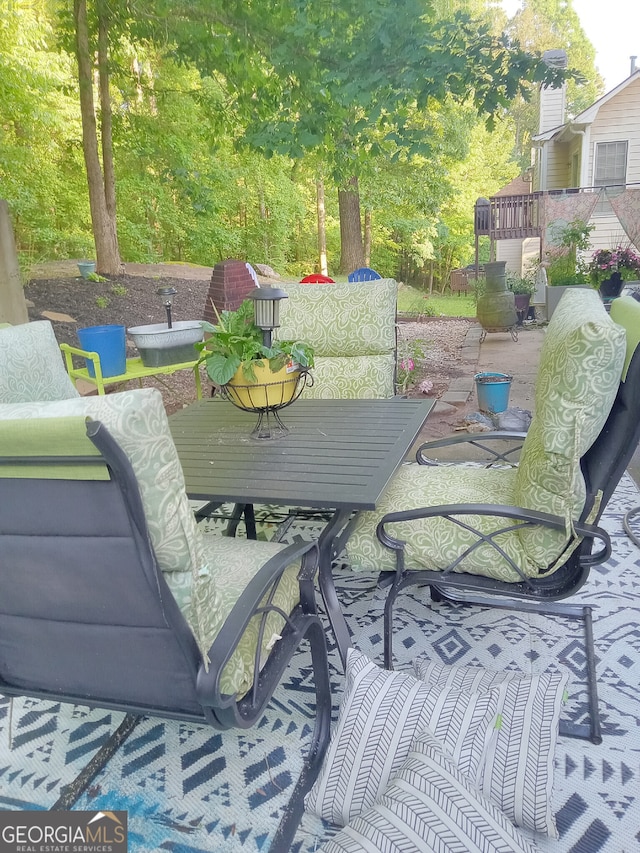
x=556 y=167
x=518 y=254
x=552 y=106
x=619 y=120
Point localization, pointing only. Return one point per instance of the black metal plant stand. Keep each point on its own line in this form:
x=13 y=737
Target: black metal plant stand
x=267 y=399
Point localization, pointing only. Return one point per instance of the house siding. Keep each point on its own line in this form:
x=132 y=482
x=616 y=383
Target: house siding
x=558 y=167
x=568 y=160
x=552 y=106
x=518 y=253
x=617 y=121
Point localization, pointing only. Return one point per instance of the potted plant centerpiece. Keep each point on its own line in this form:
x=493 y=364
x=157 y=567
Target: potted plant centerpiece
x=256 y=372
x=611 y=268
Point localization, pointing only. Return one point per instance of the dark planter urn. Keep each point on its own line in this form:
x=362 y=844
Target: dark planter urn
x=522 y=302
x=496 y=309
x=611 y=287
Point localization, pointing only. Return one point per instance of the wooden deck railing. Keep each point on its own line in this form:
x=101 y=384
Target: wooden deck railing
x=519 y=216
x=515 y=216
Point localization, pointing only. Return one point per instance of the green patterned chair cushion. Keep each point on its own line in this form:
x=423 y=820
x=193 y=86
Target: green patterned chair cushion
x=217 y=569
x=230 y=565
x=138 y=422
x=580 y=369
x=341 y=319
x=31 y=365
x=363 y=377
x=432 y=543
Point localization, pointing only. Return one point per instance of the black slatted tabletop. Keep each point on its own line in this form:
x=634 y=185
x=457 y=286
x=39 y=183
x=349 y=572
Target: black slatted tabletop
x=338 y=454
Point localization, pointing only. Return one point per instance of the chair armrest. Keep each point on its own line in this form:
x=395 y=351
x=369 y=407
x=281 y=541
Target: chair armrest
x=70 y=351
x=515 y=517
x=477 y=440
x=262 y=584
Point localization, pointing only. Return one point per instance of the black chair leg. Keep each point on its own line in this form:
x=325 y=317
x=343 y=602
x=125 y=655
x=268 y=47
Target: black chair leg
x=585 y=731
x=294 y=810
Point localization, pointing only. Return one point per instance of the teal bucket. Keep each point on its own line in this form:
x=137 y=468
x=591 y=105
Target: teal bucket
x=493 y=392
x=110 y=344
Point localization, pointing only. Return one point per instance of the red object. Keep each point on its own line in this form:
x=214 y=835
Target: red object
x=316 y=278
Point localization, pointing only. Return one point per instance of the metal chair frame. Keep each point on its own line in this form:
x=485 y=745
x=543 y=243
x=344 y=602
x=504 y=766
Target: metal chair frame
x=129 y=647
x=602 y=466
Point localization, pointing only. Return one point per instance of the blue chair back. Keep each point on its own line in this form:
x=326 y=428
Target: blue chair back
x=364 y=274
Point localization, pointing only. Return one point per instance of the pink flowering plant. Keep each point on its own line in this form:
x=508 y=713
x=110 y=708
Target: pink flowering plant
x=409 y=355
x=621 y=259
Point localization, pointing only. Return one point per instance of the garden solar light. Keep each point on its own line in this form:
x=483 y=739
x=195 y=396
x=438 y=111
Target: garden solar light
x=267 y=310
x=166 y=294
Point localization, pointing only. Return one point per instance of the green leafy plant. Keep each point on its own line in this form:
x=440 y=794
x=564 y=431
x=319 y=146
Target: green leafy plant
x=564 y=266
x=525 y=284
x=119 y=290
x=102 y=301
x=93 y=276
x=236 y=342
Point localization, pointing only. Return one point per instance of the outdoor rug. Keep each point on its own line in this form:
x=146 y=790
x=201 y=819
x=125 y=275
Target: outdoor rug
x=188 y=788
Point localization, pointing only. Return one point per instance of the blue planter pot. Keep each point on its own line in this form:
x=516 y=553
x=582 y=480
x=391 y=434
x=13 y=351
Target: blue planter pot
x=86 y=268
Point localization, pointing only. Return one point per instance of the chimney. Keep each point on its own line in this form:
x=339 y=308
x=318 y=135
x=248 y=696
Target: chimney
x=633 y=65
x=553 y=101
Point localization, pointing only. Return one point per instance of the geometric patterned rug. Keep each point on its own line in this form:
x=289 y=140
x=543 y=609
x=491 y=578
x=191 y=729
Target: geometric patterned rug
x=188 y=788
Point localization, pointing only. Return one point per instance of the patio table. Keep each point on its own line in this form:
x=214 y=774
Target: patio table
x=339 y=455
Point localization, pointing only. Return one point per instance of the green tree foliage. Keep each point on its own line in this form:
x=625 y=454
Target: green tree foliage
x=41 y=173
x=224 y=117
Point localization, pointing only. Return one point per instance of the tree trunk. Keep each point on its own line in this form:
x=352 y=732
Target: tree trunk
x=104 y=226
x=367 y=237
x=322 y=231
x=13 y=306
x=106 y=125
x=351 y=247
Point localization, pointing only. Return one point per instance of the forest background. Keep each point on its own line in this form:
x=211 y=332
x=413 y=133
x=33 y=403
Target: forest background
x=302 y=136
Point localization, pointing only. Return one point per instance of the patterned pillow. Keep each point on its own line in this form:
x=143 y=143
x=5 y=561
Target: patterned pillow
x=342 y=320
x=580 y=368
x=364 y=377
x=31 y=365
x=432 y=543
x=379 y=714
x=430 y=806
x=516 y=772
x=138 y=422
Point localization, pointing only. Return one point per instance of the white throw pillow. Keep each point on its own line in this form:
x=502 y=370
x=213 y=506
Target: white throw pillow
x=516 y=772
x=430 y=806
x=379 y=714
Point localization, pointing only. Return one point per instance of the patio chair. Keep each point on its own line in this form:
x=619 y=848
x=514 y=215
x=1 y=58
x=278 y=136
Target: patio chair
x=111 y=595
x=352 y=329
x=522 y=536
x=31 y=365
x=363 y=274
